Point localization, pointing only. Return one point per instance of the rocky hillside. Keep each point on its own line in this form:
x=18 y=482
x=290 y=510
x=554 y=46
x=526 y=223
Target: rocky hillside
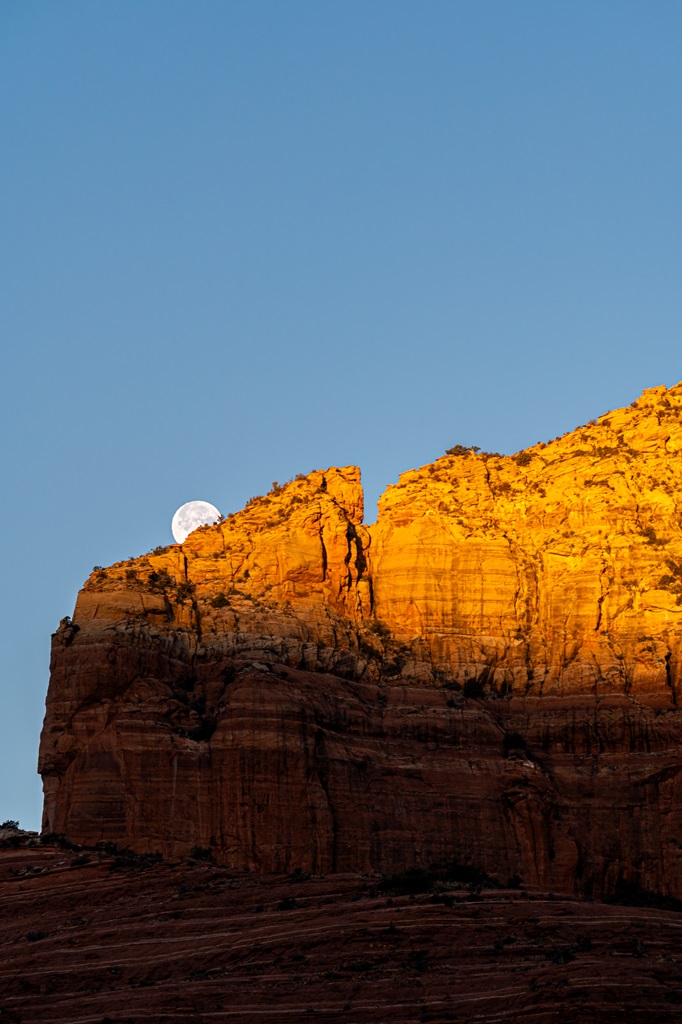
x=489 y=673
x=97 y=936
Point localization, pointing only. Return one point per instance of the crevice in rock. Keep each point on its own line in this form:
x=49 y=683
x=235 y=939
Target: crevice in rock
x=669 y=677
x=324 y=555
x=321 y=768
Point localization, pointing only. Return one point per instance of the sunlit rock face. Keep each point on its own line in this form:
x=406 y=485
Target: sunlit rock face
x=557 y=570
x=490 y=672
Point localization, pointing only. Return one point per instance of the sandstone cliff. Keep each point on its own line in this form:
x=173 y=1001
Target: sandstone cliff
x=490 y=672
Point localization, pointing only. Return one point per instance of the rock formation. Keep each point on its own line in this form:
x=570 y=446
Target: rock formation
x=489 y=673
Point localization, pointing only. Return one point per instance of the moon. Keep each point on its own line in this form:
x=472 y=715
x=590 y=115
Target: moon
x=192 y=515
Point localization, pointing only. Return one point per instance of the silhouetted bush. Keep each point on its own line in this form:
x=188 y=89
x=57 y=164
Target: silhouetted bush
x=298 y=875
x=460 y=449
x=629 y=895
x=420 y=880
x=673 y=581
x=651 y=538
x=380 y=629
x=160 y=581
x=409 y=882
x=104 y=846
x=202 y=732
x=9 y=823
x=184 y=591
x=513 y=741
x=57 y=839
x=202 y=853
x=474 y=688
x=127 y=859
x=470 y=876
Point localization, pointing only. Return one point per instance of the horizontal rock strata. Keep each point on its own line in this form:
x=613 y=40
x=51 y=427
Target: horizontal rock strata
x=90 y=936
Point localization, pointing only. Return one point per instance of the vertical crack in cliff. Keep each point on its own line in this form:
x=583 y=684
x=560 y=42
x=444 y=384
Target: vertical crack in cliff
x=493 y=521
x=669 y=677
x=360 y=560
x=603 y=594
x=522 y=603
x=324 y=554
x=321 y=769
x=632 y=494
x=626 y=676
x=348 y=556
x=371 y=611
x=197 y=617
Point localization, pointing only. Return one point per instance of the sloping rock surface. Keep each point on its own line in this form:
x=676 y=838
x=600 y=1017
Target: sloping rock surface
x=97 y=938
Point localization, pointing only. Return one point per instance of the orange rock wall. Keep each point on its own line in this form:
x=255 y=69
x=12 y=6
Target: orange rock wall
x=549 y=571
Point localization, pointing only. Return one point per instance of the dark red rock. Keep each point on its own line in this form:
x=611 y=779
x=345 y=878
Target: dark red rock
x=125 y=941
x=275 y=768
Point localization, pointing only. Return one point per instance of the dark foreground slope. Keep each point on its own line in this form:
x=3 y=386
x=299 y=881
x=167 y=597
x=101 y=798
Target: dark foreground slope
x=96 y=938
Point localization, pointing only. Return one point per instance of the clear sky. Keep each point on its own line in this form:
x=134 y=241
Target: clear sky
x=244 y=239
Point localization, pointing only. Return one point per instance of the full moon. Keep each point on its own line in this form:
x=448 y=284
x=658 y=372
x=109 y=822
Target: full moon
x=192 y=515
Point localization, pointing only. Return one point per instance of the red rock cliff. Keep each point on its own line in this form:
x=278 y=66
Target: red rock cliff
x=489 y=673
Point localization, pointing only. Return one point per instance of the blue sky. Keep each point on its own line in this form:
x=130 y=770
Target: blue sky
x=245 y=239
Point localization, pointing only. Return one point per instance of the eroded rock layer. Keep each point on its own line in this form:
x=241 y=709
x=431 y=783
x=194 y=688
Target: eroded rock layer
x=489 y=673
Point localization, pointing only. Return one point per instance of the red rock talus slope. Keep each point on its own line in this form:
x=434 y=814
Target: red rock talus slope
x=90 y=938
x=489 y=673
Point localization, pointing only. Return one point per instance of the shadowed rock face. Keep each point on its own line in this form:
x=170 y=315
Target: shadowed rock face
x=489 y=673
